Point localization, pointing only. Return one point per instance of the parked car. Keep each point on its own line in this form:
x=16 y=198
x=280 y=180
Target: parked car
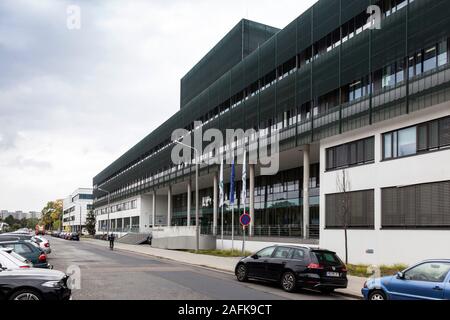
x=33 y=284
x=43 y=243
x=29 y=251
x=11 y=260
x=428 y=280
x=55 y=234
x=73 y=236
x=19 y=236
x=295 y=267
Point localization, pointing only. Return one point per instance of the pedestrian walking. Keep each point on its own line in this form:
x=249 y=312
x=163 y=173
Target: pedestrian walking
x=111 y=239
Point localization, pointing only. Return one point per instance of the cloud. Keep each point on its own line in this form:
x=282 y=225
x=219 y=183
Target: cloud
x=71 y=102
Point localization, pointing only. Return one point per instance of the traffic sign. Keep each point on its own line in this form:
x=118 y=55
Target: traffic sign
x=245 y=219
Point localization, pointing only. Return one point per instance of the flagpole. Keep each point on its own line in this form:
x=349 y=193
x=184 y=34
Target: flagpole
x=232 y=229
x=244 y=195
x=232 y=201
x=222 y=202
x=222 y=228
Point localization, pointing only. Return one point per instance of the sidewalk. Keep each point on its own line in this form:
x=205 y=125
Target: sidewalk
x=224 y=264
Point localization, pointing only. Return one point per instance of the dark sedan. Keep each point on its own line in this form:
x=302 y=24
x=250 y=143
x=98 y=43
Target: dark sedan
x=33 y=284
x=295 y=267
x=73 y=236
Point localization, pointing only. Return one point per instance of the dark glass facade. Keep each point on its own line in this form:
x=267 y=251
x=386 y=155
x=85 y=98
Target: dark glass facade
x=278 y=204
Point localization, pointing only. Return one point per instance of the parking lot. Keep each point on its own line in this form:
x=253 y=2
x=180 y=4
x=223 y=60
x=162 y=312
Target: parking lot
x=114 y=275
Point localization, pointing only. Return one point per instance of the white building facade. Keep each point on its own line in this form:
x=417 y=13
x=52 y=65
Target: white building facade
x=398 y=202
x=75 y=209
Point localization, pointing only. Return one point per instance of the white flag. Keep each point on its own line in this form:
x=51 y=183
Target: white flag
x=244 y=180
x=221 y=189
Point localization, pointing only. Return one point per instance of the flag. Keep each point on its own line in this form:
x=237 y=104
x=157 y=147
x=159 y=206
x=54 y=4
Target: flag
x=221 y=184
x=232 y=185
x=244 y=180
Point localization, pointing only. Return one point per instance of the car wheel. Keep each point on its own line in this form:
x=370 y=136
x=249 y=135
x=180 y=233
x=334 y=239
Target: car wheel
x=377 y=296
x=242 y=273
x=26 y=294
x=327 y=290
x=288 y=282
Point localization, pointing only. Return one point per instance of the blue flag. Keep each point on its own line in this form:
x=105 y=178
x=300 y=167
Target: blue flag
x=232 y=185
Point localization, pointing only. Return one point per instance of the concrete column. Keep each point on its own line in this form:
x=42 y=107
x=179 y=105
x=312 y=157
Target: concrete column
x=154 y=209
x=189 y=198
x=252 y=200
x=169 y=207
x=306 y=176
x=216 y=203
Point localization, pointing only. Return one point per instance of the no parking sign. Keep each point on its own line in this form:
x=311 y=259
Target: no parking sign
x=245 y=220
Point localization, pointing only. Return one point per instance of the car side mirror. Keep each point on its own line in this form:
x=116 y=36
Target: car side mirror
x=255 y=256
x=401 y=276
x=1 y=267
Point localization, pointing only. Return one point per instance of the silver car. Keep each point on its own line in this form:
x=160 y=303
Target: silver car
x=10 y=260
x=42 y=243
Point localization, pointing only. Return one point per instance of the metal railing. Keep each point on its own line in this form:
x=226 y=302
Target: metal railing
x=268 y=231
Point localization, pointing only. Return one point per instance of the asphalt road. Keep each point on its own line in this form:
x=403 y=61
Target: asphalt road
x=119 y=275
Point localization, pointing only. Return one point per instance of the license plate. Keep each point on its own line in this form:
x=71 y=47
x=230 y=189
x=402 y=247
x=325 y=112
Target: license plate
x=333 y=274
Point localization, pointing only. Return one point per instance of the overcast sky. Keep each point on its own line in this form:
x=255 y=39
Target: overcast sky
x=73 y=101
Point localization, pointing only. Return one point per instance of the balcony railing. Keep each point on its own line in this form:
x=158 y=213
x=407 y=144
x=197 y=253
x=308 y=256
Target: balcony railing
x=418 y=84
x=267 y=231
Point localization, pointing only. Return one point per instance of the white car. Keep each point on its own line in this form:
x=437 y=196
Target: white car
x=10 y=260
x=42 y=243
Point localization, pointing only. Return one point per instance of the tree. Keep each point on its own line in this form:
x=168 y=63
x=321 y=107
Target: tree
x=344 y=187
x=31 y=223
x=51 y=215
x=90 y=223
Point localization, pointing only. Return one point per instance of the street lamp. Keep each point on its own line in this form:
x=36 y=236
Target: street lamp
x=197 y=157
x=107 y=209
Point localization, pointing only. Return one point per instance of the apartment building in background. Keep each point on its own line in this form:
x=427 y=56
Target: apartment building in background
x=75 y=209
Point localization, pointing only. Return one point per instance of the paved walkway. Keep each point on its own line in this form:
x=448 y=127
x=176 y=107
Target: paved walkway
x=225 y=264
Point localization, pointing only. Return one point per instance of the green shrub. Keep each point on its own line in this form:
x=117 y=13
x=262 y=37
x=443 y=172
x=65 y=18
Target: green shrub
x=362 y=270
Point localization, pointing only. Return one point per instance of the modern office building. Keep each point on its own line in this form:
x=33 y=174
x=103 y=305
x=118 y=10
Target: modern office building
x=346 y=99
x=75 y=209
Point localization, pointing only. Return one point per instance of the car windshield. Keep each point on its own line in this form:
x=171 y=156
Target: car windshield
x=327 y=258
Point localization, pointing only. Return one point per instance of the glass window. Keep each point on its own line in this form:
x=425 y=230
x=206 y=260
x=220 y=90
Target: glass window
x=429 y=272
x=429 y=62
x=298 y=254
x=442 y=57
x=21 y=248
x=369 y=149
x=433 y=135
x=282 y=253
x=351 y=154
x=422 y=138
x=388 y=76
x=419 y=64
x=444 y=132
x=266 y=253
x=388 y=146
x=400 y=75
x=395 y=144
x=327 y=258
x=407 y=142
